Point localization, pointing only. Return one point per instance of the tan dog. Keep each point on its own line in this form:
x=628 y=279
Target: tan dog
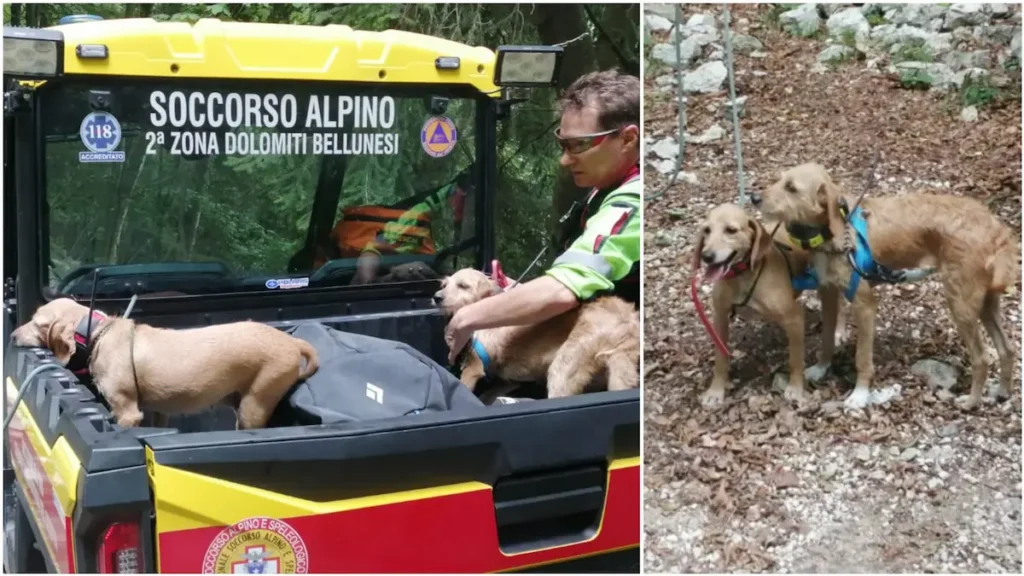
x=569 y=350
x=752 y=274
x=247 y=364
x=974 y=253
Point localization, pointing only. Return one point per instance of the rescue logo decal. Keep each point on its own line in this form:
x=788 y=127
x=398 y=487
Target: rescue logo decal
x=286 y=283
x=438 y=136
x=101 y=133
x=258 y=545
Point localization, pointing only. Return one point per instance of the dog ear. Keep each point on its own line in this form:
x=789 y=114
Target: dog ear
x=828 y=198
x=60 y=339
x=761 y=242
x=698 y=247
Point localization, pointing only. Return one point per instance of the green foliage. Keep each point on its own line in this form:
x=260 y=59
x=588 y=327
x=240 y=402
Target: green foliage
x=253 y=212
x=875 y=19
x=913 y=53
x=848 y=38
x=916 y=80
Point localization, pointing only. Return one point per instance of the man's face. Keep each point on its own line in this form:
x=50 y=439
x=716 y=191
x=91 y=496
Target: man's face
x=607 y=157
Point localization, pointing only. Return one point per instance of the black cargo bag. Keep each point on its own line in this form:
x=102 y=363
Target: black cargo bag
x=365 y=378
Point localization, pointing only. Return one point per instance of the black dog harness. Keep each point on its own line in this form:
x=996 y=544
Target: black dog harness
x=87 y=334
x=85 y=342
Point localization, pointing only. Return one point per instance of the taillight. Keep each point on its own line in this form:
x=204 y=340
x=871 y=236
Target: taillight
x=119 y=551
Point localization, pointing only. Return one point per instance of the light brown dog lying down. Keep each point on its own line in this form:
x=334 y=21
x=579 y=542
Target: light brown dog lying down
x=247 y=365
x=598 y=338
x=974 y=253
x=752 y=274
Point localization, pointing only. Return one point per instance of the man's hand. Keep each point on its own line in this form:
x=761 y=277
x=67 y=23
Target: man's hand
x=530 y=303
x=366 y=268
x=457 y=335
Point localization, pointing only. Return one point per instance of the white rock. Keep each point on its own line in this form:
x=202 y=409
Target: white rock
x=745 y=43
x=687 y=177
x=666 y=54
x=1015 y=45
x=741 y=106
x=998 y=10
x=972 y=59
x=848 y=21
x=664 y=166
x=938 y=75
x=666 y=148
x=920 y=15
x=836 y=53
x=666 y=11
x=705 y=79
x=909 y=454
x=715 y=132
x=657 y=23
x=801 y=21
x=697 y=21
x=964 y=15
x=938 y=374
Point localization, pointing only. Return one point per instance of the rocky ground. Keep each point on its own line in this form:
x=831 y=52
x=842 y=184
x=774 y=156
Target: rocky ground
x=909 y=485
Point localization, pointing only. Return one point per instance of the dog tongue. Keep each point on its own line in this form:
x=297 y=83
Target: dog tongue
x=715 y=273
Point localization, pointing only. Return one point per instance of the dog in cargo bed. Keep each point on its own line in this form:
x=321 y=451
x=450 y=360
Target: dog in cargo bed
x=598 y=339
x=248 y=365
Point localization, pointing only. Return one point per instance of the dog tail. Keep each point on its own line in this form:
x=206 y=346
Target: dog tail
x=1003 y=264
x=310 y=356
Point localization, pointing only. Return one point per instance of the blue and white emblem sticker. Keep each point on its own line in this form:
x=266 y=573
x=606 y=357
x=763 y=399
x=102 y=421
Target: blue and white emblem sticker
x=286 y=283
x=101 y=134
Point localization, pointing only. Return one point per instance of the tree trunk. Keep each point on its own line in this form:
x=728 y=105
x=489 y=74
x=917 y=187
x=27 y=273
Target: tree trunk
x=16 y=14
x=557 y=23
x=618 y=42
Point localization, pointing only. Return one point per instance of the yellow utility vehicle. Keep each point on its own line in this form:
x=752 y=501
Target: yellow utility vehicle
x=203 y=168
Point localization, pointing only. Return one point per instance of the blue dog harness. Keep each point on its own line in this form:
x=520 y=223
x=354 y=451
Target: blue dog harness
x=860 y=258
x=485 y=358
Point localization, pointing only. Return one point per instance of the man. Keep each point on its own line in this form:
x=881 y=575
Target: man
x=599 y=135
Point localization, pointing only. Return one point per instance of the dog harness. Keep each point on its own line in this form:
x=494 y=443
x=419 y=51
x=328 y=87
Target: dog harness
x=860 y=257
x=84 y=342
x=485 y=358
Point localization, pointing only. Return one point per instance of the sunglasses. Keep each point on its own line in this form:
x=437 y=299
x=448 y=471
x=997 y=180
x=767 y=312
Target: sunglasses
x=582 y=143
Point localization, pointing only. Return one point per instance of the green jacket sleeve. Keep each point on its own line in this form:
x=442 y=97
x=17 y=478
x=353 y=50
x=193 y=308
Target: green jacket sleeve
x=607 y=249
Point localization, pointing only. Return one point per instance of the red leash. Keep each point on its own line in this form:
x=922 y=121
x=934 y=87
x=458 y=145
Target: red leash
x=704 y=317
x=499 y=277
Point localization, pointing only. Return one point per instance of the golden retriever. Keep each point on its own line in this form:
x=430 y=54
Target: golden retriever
x=752 y=273
x=137 y=367
x=598 y=338
x=975 y=255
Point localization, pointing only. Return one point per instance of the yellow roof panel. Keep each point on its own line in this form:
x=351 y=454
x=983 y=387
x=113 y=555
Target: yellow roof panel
x=214 y=49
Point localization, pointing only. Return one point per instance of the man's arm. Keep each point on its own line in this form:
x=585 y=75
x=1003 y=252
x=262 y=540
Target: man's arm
x=604 y=254
x=530 y=303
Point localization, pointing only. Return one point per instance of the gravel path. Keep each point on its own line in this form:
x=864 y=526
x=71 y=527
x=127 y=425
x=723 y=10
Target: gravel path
x=912 y=485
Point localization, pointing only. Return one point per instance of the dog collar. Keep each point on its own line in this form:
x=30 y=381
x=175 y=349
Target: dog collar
x=485 y=358
x=84 y=342
x=808 y=236
x=737 y=269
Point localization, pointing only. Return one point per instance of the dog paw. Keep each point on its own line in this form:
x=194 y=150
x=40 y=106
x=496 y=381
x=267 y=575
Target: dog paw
x=966 y=402
x=816 y=372
x=713 y=397
x=857 y=399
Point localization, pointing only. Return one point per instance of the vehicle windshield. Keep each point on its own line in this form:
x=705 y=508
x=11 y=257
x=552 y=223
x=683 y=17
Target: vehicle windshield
x=190 y=188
